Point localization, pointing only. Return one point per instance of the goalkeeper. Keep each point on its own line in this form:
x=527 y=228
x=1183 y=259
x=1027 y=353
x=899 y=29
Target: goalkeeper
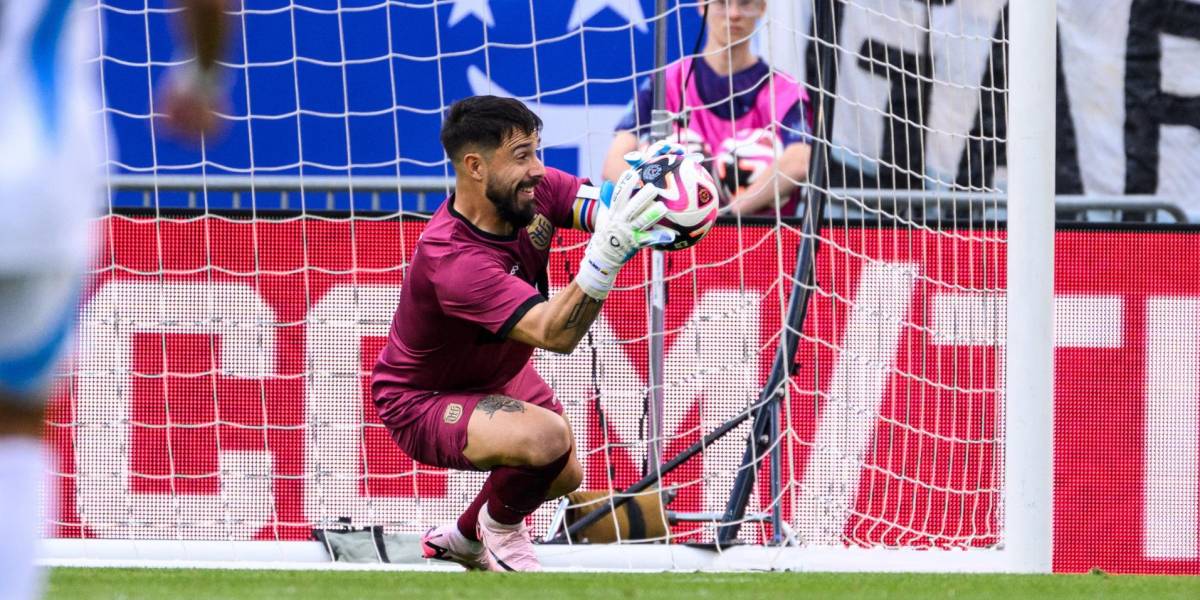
x=734 y=108
x=454 y=383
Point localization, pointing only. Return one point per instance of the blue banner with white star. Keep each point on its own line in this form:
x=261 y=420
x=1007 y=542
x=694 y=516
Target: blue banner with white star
x=327 y=87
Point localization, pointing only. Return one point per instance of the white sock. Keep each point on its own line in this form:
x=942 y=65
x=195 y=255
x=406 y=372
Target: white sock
x=22 y=473
x=458 y=542
x=487 y=521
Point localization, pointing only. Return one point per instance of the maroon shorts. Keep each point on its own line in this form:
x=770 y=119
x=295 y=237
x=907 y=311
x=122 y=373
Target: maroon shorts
x=431 y=427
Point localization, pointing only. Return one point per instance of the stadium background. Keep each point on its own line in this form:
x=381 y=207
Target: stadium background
x=1108 y=381
x=583 y=82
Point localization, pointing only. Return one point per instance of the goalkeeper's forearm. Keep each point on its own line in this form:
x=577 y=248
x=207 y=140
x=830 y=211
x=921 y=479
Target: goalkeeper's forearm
x=558 y=324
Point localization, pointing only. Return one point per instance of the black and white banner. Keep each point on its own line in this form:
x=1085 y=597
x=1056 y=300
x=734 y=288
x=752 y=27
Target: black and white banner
x=920 y=94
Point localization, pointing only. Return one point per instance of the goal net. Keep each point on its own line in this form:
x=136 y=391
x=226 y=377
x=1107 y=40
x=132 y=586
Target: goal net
x=219 y=398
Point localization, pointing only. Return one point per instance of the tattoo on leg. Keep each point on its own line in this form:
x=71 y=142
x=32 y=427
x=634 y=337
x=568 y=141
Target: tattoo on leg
x=493 y=404
x=583 y=312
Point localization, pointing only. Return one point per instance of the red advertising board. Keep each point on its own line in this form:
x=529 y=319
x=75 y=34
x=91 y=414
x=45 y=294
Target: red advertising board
x=219 y=390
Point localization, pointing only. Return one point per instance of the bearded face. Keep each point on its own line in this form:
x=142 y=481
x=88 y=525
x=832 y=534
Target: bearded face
x=513 y=199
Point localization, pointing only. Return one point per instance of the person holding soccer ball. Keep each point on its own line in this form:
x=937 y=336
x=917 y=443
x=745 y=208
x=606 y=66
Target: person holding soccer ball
x=49 y=194
x=454 y=384
x=751 y=121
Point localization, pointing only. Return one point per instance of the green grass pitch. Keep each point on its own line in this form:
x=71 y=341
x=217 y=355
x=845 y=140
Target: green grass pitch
x=183 y=584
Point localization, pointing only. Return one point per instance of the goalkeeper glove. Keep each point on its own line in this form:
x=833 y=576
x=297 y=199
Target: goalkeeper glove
x=632 y=177
x=639 y=157
x=628 y=225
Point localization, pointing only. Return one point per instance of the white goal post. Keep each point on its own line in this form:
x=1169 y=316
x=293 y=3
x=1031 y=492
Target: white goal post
x=218 y=410
x=1029 y=388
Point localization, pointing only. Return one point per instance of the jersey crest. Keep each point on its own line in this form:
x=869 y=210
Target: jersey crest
x=541 y=232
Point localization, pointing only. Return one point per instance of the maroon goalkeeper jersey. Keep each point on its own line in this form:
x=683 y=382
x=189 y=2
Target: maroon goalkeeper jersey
x=464 y=291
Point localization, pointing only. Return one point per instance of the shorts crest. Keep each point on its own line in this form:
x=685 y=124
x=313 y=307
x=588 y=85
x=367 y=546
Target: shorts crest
x=453 y=413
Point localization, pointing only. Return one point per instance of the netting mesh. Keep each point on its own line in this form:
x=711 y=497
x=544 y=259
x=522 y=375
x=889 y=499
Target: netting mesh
x=244 y=287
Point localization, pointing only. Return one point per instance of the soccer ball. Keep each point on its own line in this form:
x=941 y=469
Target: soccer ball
x=745 y=157
x=689 y=193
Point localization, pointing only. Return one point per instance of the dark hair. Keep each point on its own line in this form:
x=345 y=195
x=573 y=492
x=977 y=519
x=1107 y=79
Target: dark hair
x=485 y=122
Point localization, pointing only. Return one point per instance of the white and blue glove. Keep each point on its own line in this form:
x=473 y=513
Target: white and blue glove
x=626 y=224
x=638 y=157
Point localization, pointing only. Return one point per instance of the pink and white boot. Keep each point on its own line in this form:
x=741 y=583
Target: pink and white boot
x=506 y=547
x=447 y=543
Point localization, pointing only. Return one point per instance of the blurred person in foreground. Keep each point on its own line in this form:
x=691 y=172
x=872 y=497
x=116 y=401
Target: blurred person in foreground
x=50 y=192
x=750 y=121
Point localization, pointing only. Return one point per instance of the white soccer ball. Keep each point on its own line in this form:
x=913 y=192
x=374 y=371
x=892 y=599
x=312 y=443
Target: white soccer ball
x=745 y=157
x=687 y=189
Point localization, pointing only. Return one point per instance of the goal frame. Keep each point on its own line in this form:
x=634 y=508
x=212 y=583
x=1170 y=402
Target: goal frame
x=1028 y=407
